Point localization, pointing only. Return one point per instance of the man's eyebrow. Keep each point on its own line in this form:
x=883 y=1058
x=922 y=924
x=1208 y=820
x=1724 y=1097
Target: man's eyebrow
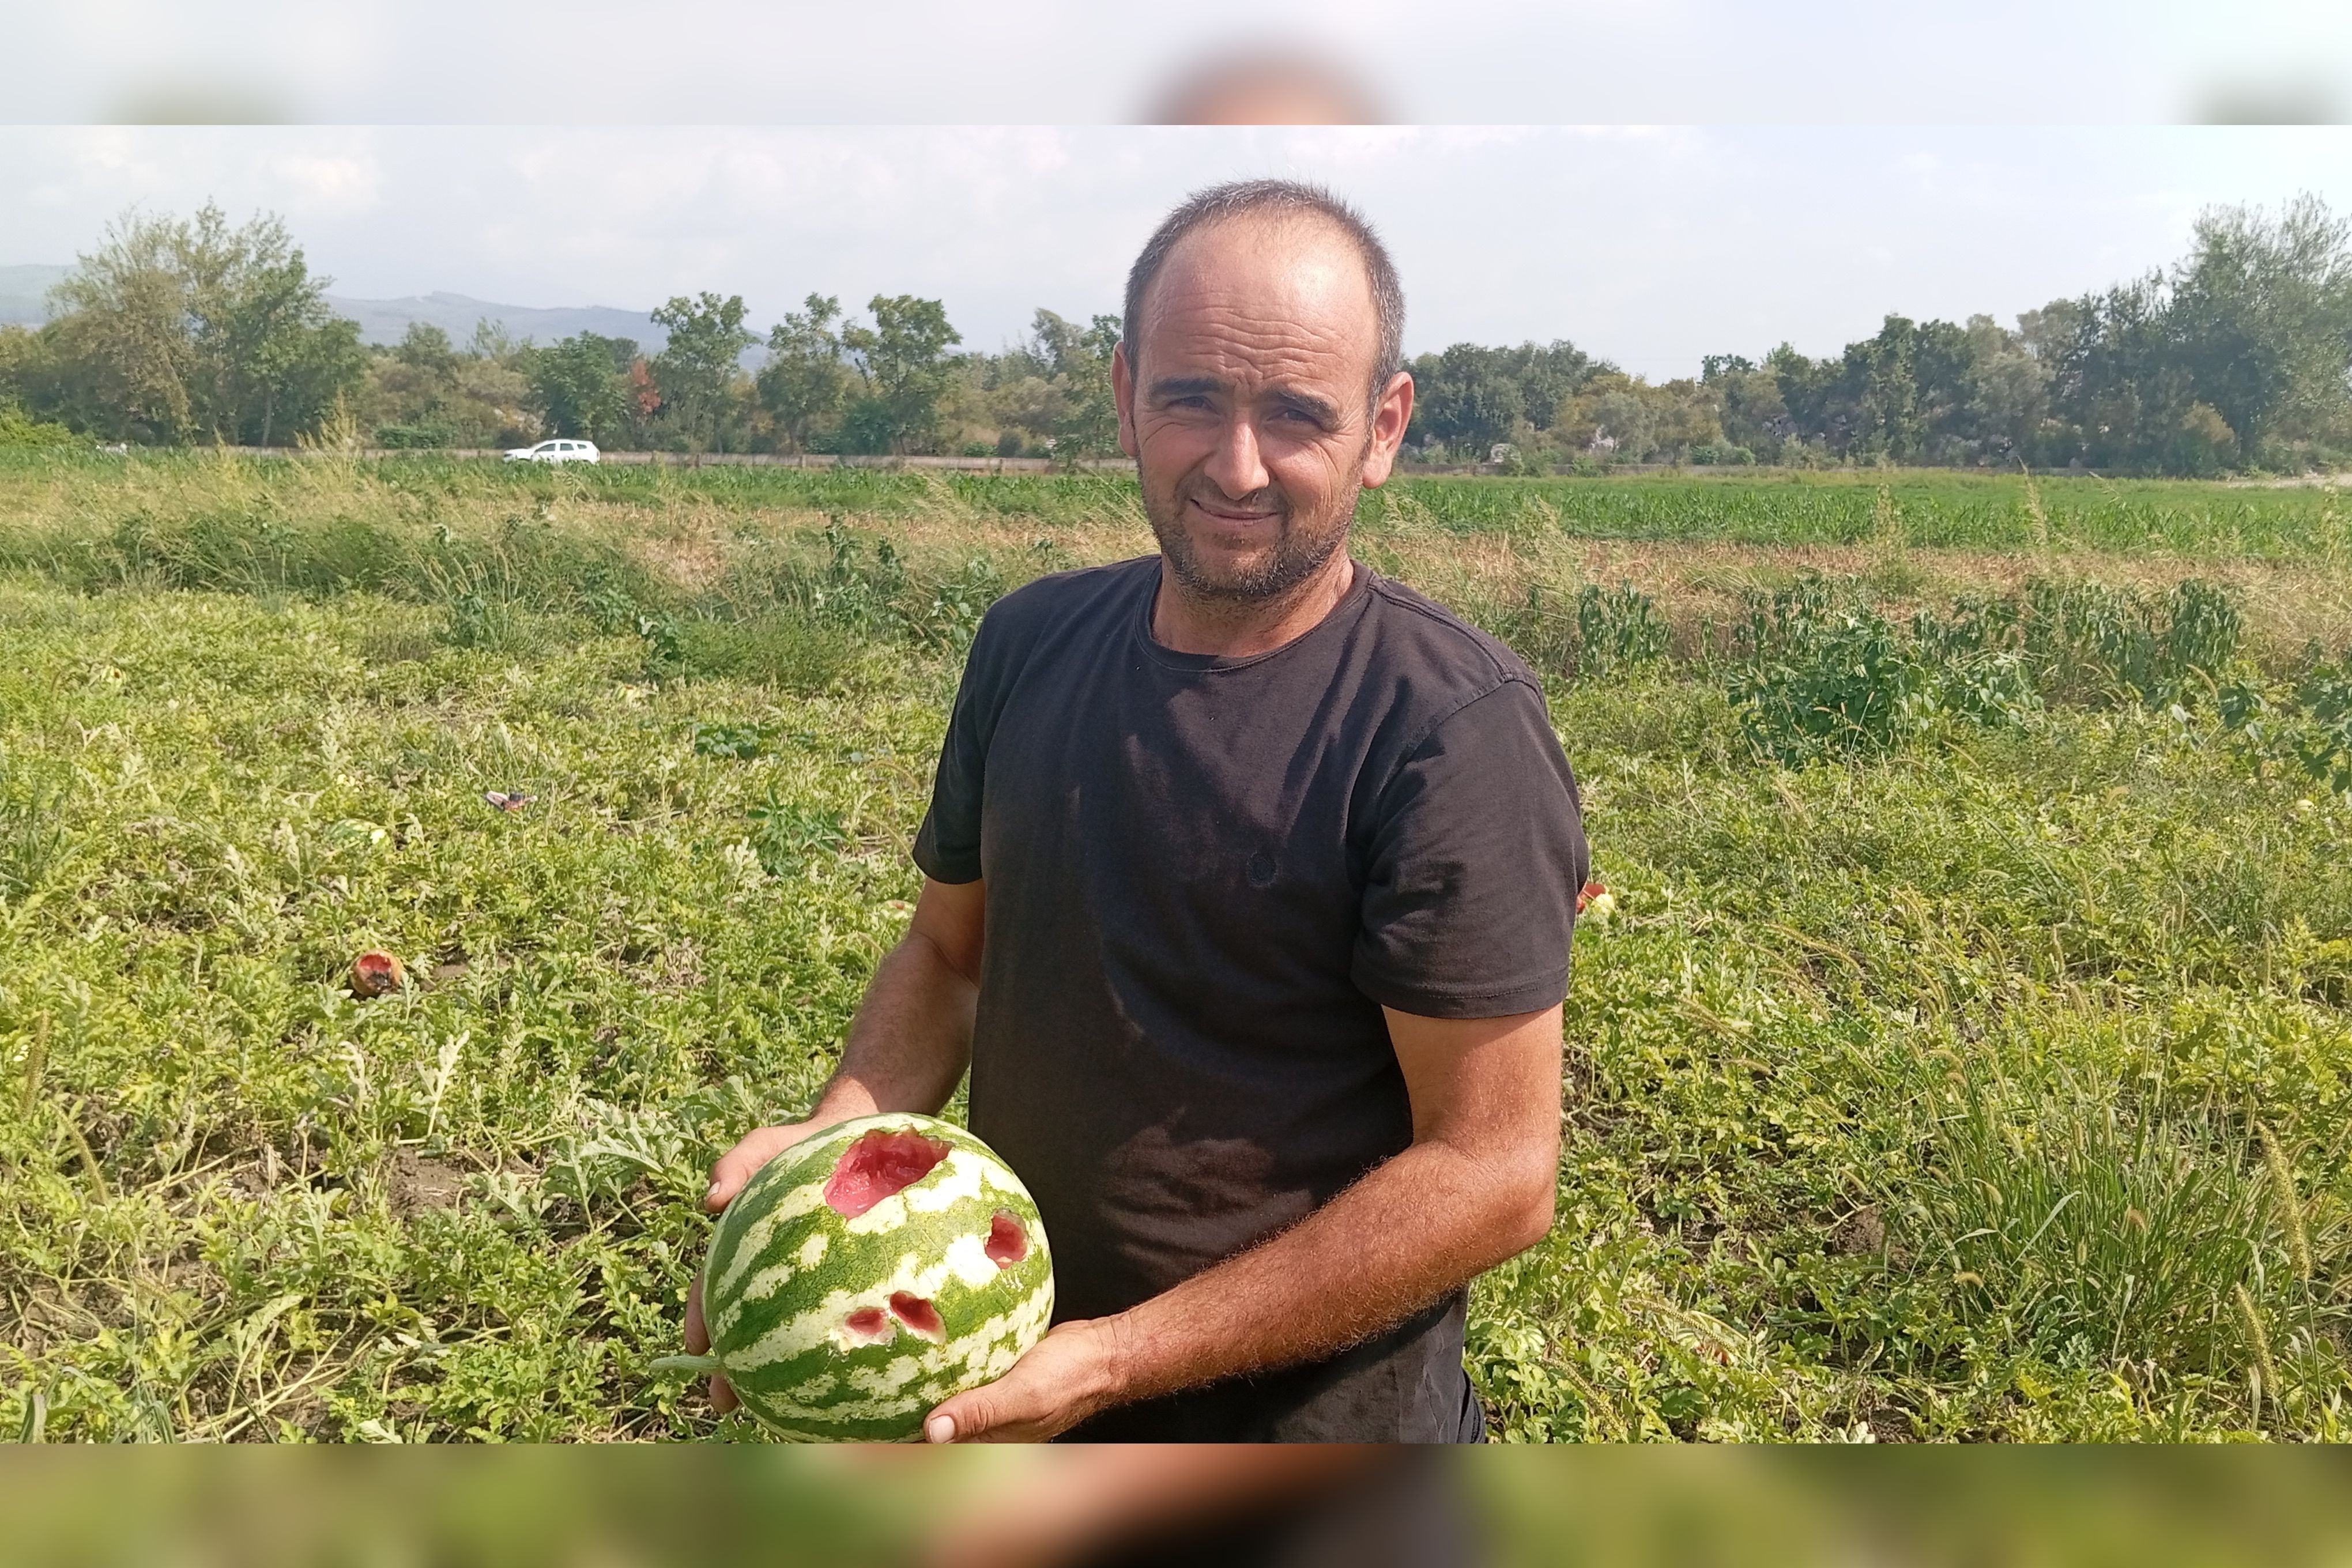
x=1185 y=386
x=1322 y=410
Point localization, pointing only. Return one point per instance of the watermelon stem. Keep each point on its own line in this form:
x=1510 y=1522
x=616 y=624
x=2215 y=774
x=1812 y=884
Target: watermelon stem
x=694 y=1365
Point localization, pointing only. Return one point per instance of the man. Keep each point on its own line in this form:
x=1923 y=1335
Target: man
x=1250 y=884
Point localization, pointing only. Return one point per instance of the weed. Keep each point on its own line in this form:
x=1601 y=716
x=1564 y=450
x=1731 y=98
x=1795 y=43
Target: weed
x=34 y=839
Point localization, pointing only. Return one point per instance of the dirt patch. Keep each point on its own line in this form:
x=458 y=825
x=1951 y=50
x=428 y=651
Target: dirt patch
x=1861 y=1231
x=414 y=1183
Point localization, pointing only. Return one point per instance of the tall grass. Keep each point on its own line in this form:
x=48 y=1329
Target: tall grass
x=1931 y=508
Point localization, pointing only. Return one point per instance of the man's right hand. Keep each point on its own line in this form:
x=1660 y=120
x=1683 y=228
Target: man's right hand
x=734 y=1168
x=741 y=1163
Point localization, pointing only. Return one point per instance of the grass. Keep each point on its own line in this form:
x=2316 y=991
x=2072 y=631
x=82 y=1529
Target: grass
x=1978 y=1069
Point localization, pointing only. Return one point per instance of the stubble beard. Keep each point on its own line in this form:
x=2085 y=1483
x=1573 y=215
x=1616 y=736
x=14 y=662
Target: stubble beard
x=1302 y=547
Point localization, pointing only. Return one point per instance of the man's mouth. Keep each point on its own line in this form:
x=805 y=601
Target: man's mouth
x=1237 y=516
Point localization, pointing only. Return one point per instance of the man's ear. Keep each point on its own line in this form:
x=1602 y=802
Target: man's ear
x=1122 y=393
x=1392 y=417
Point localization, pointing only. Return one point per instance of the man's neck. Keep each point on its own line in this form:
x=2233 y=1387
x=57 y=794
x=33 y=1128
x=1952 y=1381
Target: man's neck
x=1186 y=623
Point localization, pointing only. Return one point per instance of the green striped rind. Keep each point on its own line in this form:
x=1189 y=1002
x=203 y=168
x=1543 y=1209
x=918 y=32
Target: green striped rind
x=786 y=1271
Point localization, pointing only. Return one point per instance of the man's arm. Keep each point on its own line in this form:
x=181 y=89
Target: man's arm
x=907 y=1050
x=1475 y=1187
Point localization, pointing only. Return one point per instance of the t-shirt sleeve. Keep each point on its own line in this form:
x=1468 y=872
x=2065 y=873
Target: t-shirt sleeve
x=947 y=847
x=1474 y=866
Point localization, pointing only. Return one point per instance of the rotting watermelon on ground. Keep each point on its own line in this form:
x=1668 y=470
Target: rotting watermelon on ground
x=869 y=1273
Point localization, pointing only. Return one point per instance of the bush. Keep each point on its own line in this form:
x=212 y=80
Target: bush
x=1824 y=673
x=423 y=436
x=2307 y=725
x=1617 y=629
x=19 y=430
x=1830 y=678
x=2094 y=642
x=1600 y=633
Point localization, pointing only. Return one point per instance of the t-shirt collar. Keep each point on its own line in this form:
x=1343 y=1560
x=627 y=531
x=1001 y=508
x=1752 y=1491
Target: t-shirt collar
x=1350 y=605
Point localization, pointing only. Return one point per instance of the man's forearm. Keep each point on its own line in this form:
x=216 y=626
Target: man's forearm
x=1415 y=1228
x=911 y=1041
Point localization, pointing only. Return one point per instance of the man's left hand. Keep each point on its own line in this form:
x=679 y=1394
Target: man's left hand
x=1067 y=1376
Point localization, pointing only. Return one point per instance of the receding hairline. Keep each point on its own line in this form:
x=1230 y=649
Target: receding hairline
x=1275 y=205
x=1342 y=246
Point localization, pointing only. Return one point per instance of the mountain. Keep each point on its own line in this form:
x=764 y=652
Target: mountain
x=24 y=291
x=382 y=320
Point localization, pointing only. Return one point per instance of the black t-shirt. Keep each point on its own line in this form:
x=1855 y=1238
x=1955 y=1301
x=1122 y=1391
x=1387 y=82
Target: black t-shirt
x=1205 y=877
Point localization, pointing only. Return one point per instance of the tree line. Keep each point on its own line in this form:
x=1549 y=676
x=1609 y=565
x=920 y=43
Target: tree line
x=2240 y=355
x=175 y=331
x=198 y=331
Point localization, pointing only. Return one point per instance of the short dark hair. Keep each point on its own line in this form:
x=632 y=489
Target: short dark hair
x=1281 y=198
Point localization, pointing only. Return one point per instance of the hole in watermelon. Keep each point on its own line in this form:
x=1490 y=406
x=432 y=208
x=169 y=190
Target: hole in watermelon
x=878 y=1164
x=867 y=1325
x=1008 y=1244
x=920 y=1316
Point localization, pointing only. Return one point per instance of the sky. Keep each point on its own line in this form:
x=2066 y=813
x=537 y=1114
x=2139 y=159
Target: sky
x=1649 y=247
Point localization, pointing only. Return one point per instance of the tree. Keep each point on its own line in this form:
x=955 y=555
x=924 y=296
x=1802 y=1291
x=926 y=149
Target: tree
x=1465 y=398
x=1077 y=360
x=176 y=331
x=698 y=367
x=1754 y=416
x=122 y=328
x=2118 y=393
x=901 y=360
x=804 y=381
x=581 y=384
x=424 y=392
x=2010 y=401
x=2261 y=320
x=426 y=349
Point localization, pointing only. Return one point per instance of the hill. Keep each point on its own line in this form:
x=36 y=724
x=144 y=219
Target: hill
x=24 y=293
x=23 y=299
x=384 y=320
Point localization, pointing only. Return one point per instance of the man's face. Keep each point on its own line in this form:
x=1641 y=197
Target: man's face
x=1246 y=412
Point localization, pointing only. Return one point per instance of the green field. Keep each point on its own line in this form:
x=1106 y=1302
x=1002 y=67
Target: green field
x=1969 y=1055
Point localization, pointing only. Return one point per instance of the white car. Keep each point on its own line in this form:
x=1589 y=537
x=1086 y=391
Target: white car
x=555 y=452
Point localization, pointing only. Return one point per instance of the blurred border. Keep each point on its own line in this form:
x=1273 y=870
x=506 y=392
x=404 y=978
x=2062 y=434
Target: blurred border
x=623 y=1508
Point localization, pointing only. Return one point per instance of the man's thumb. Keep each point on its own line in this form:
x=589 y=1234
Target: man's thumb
x=963 y=1416
x=737 y=1166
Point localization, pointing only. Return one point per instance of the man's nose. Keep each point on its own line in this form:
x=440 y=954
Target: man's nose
x=1236 y=468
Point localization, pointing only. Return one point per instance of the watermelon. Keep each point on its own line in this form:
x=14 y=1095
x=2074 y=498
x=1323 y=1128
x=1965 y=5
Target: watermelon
x=869 y=1273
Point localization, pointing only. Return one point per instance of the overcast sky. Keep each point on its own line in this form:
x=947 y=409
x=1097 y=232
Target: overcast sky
x=1648 y=247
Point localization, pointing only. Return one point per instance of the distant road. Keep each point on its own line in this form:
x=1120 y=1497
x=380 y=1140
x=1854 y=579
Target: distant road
x=830 y=460
x=732 y=459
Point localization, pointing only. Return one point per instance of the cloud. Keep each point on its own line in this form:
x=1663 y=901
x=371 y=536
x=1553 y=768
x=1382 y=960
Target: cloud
x=348 y=184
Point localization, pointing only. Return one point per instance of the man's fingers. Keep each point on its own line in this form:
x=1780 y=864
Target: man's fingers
x=734 y=1168
x=697 y=1342
x=741 y=1163
x=963 y=1419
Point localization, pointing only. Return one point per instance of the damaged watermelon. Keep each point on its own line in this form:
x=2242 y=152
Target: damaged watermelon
x=869 y=1273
